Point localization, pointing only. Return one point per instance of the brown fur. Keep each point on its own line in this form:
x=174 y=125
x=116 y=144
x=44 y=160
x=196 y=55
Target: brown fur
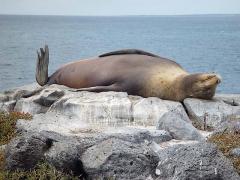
x=136 y=74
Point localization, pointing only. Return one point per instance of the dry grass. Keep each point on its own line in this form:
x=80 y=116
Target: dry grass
x=2 y=161
x=42 y=171
x=8 y=123
x=225 y=143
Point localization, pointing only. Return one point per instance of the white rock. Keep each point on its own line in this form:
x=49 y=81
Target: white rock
x=27 y=105
x=211 y=113
x=7 y=106
x=106 y=108
x=232 y=99
x=39 y=103
x=147 y=111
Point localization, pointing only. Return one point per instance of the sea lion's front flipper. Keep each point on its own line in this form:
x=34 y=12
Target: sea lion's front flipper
x=113 y=87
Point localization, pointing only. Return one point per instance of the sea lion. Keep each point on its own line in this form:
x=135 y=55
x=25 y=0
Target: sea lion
x=133 y=71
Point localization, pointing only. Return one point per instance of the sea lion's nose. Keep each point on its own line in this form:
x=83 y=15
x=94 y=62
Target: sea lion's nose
x=219 y=78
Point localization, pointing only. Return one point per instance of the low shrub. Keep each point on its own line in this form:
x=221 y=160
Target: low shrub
x=225 y=143
x=8 y=123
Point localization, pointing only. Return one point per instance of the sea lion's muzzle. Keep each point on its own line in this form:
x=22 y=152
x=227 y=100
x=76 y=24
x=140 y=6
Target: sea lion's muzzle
x=212 y=79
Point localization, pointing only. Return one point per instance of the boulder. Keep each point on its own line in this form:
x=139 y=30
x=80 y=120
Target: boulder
x=232 y=99
x=194 y=161
x=209 y=114
x=112 y=135
x=25 y=151
x=89 y=154
x=232 y=126
x=178 y=127
x=49 y=122
x=18 y=92
x=27 y=105
x=7 y=106
x=3 y=98
x=106 y=108
x=147 y=111
x=74 y=127
x=117 y=159
x=39 y=103
x=62 y=105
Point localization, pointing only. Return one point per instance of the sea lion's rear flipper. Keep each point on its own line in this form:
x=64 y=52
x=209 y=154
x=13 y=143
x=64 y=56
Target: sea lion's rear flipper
x=128 y=51
x=113 y=87
x=42 y=66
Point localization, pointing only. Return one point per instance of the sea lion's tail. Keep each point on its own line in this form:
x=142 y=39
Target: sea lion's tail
x=42 y=66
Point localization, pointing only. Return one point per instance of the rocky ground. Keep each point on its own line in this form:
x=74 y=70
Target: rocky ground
x=112 y=135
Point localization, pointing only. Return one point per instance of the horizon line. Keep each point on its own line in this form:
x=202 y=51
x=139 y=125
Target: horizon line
x=124 y=15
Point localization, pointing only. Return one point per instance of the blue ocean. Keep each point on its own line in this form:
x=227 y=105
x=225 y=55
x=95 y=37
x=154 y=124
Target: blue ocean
x=200 y=43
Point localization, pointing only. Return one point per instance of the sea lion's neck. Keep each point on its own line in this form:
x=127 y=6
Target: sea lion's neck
x=178 y=90
x=167 y=85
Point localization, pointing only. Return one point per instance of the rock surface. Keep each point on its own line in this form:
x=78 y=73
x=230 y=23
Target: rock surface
x=58 y=107
x=25 y=151
x=235 y=152
x=178 y=128
x=194 y=161
x=92 y=155
x=113 y=135
x=118 y=159
x=210 y=114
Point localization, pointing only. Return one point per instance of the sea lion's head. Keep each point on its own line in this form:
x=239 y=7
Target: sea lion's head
x=201 y=86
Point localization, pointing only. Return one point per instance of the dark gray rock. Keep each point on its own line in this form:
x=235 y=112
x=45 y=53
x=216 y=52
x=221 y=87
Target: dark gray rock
x=64 y=154
x=117 y=159
x=76 y=154
x=160 y=136
x=195 y=161
x=25 y=151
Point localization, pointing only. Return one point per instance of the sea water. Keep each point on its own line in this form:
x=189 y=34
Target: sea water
x=203 y=43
